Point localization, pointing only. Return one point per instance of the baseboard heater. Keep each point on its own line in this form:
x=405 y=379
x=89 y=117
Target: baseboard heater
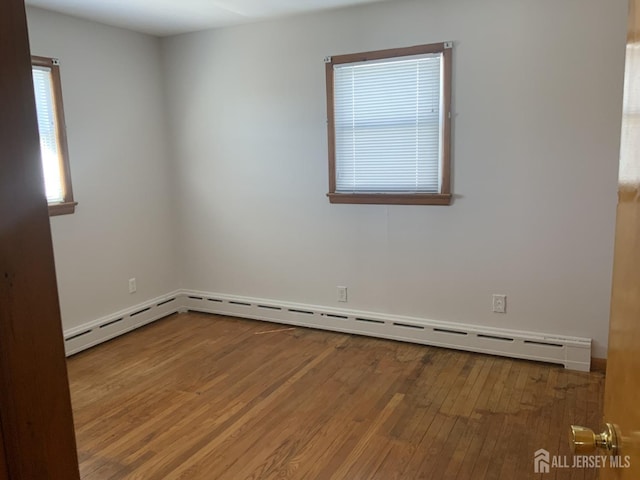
x=106 y=328
x=572 y=352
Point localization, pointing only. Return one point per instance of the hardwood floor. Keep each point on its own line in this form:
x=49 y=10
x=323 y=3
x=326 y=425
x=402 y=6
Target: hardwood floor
x=199 y=396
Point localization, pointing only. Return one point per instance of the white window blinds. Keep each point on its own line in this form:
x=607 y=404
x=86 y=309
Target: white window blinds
x=42 y=83
x=388 y=125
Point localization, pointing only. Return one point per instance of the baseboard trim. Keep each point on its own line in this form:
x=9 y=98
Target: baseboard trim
x=572 y=352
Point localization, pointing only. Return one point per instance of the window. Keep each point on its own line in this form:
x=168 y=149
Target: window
x=389 y=126
x=53 y=138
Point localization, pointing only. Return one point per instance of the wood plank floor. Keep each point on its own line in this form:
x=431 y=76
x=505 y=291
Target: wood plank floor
x=207 y=397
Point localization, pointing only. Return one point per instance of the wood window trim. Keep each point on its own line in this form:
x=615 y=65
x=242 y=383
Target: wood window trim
x=391 y=198
x=62 y=208
x=442 y=198
x=68 y=205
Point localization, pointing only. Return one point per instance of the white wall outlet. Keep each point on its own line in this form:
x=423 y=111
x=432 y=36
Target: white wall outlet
x=500 y=303
x=132 y=285
x=342 y=294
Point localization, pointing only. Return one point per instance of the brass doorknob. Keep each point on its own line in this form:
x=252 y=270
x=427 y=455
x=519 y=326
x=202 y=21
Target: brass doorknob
x=585 y=441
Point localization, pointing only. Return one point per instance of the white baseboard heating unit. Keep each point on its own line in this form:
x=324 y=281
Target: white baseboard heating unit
x=572 y=352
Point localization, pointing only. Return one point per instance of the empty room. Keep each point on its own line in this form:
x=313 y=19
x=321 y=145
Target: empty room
x=345 y=239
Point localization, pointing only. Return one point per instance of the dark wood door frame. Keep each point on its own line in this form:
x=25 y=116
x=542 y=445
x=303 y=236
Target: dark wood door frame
x=35 y=409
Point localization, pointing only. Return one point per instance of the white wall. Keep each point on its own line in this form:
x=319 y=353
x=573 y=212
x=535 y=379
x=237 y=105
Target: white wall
x=537 y=99
x=114 y=101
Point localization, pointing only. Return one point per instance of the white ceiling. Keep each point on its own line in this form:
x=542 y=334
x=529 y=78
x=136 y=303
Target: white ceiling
x=169 y=17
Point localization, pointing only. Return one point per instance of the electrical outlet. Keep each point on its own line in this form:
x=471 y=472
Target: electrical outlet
x=342 y=294
x=500 y=303
x=132 y=285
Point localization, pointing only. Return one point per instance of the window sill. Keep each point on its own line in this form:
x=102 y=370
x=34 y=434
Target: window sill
x=67 y=208
x=391 y=198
